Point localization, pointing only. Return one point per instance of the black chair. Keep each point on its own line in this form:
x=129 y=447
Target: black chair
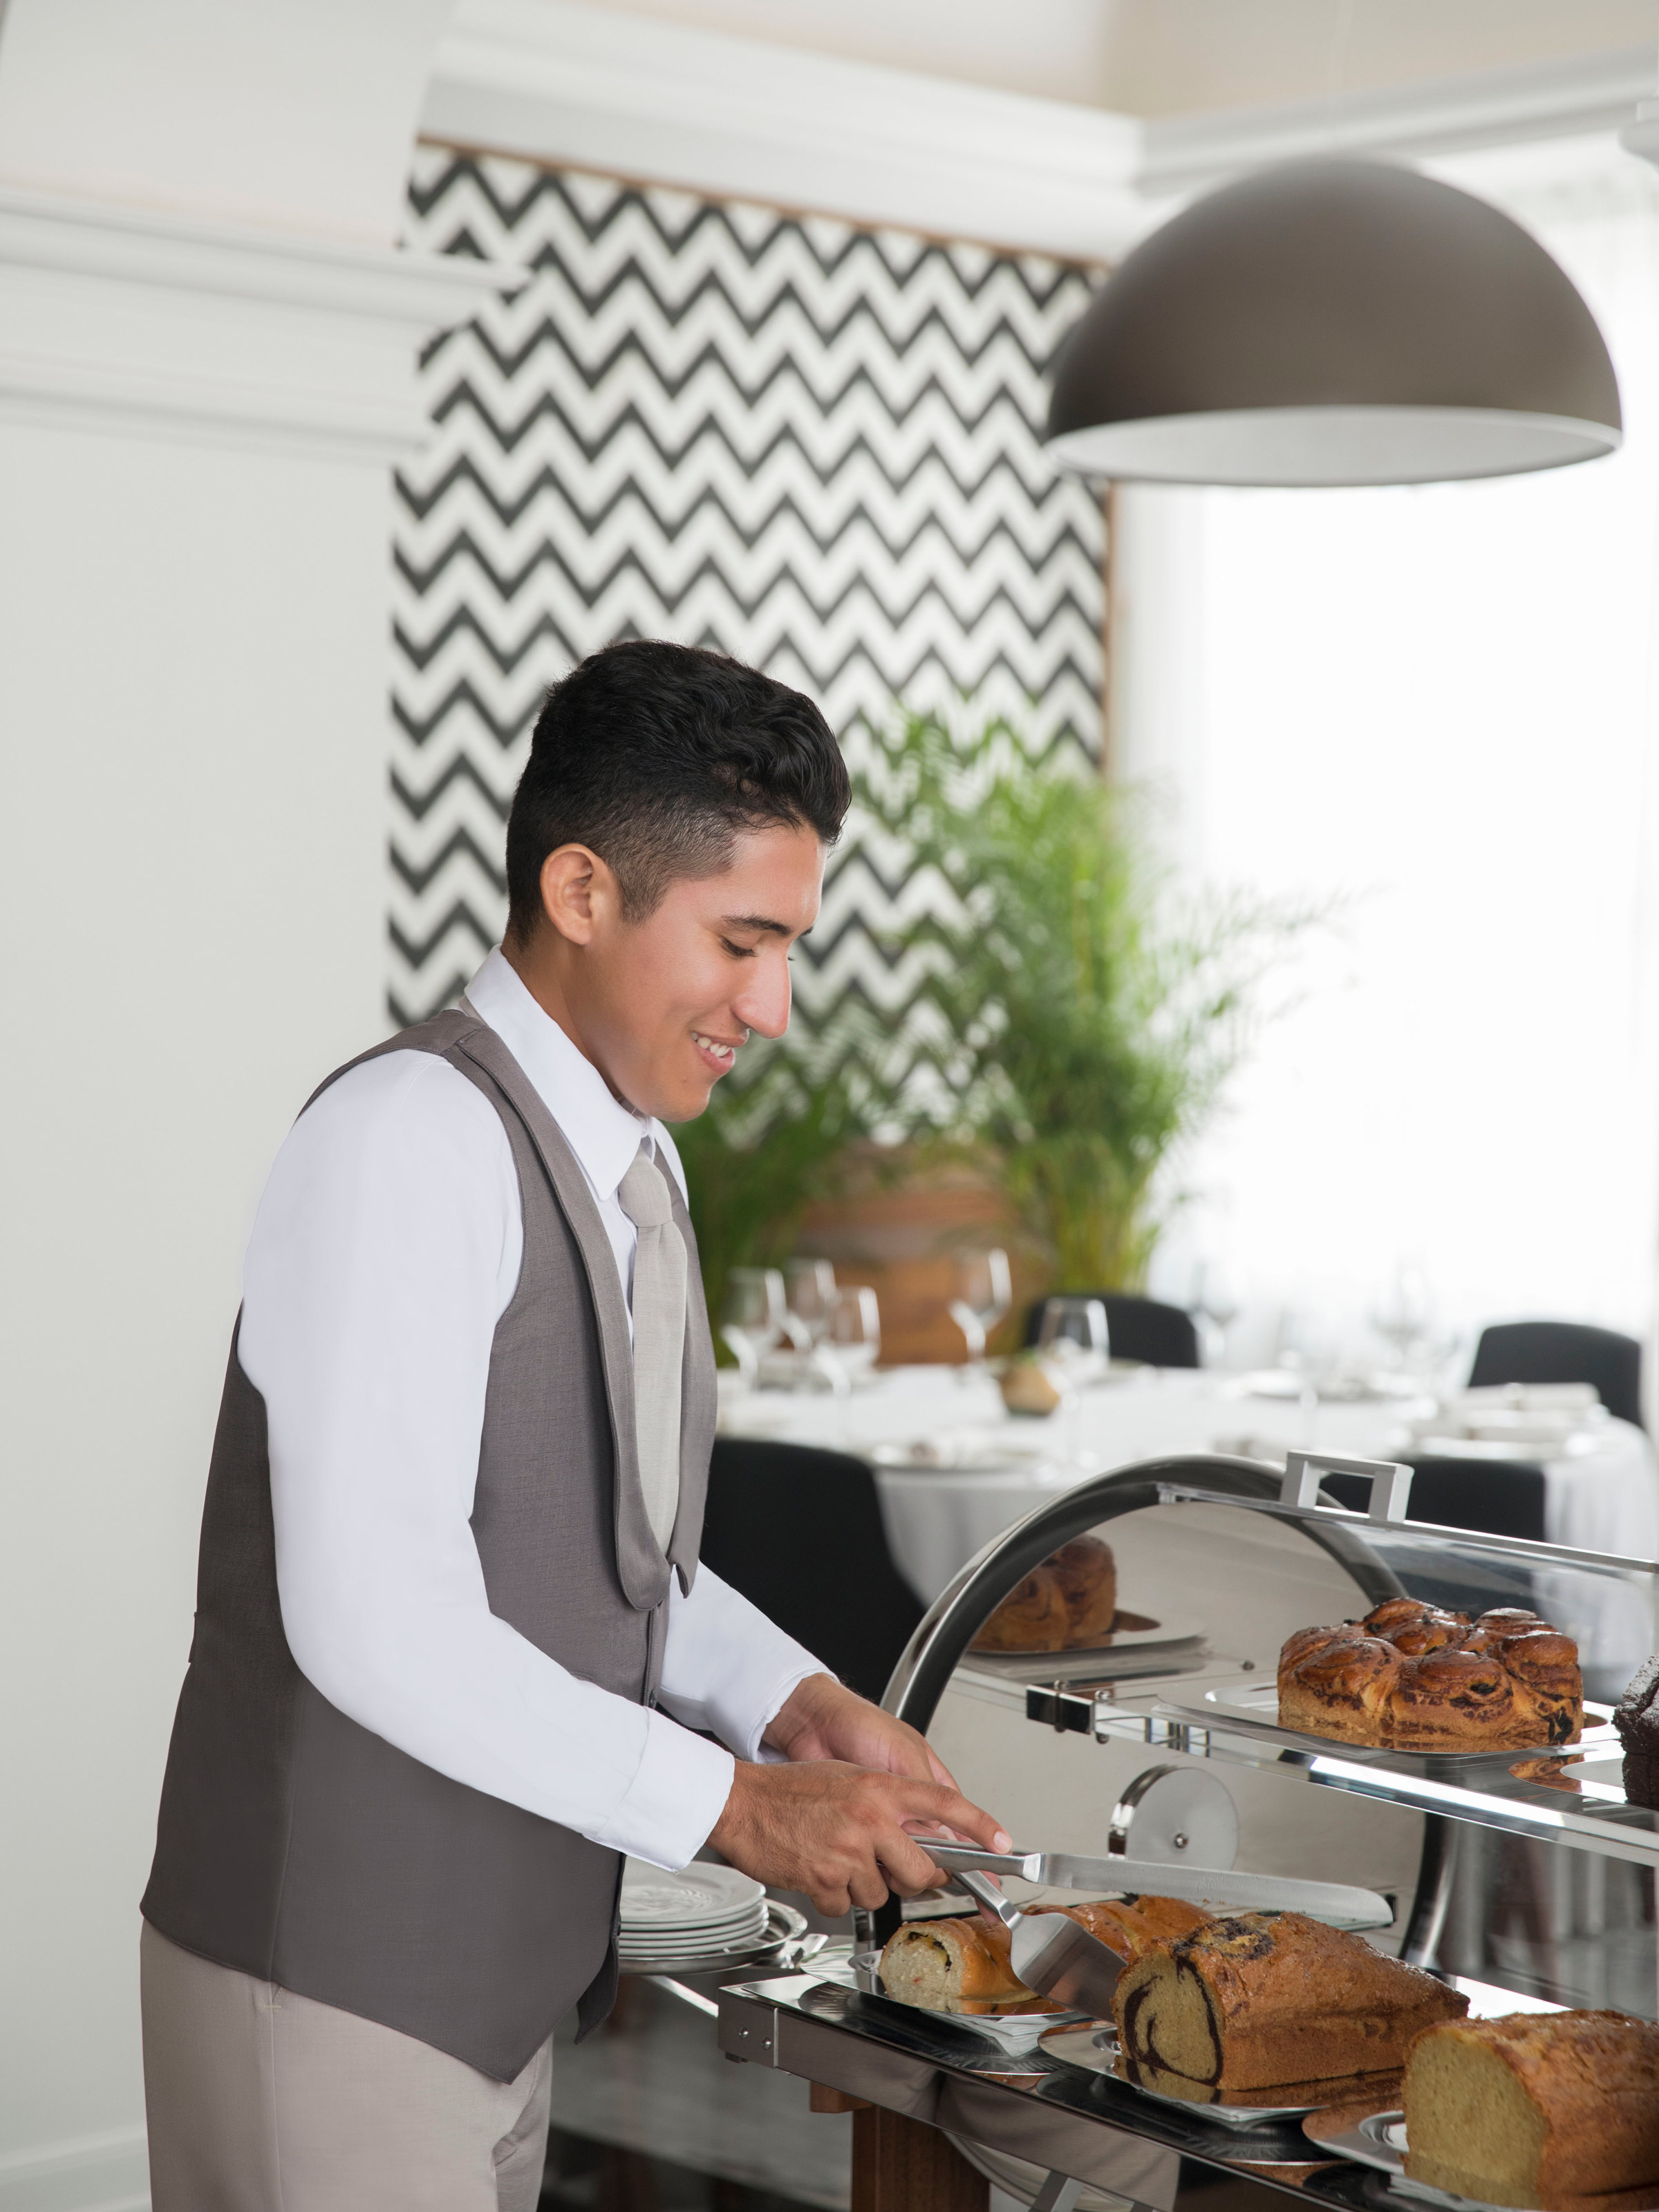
x=1136 y=1329
x=1500 y=1498
x=1563 y=1352
x=799 y=1532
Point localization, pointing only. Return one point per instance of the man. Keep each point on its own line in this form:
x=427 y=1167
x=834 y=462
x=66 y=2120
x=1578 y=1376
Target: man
x=454 y=1654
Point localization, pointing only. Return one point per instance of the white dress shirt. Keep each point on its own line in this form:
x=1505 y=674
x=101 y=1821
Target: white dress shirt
x=386 y=1249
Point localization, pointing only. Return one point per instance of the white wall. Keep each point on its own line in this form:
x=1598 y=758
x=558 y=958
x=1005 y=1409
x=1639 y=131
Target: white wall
x=197 y=417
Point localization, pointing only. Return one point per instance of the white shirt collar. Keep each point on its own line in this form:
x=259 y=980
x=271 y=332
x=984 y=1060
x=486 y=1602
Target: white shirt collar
x=603 y=1133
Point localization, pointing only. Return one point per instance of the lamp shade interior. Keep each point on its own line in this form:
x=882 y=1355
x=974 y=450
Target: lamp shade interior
x=1333 y=322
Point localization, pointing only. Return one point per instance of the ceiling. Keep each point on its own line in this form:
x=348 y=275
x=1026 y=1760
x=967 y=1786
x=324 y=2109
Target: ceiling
x=1157 y=58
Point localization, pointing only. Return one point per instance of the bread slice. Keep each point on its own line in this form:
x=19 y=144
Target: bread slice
x=959 y=1965
x=1262 y=1998
x=1555 y=2112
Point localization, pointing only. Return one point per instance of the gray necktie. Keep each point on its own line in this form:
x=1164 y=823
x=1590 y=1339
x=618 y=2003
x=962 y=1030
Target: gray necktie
x=658 y=1338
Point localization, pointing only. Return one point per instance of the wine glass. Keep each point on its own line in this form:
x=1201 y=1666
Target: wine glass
x=752 y=1315
x=1215 y=1308
x=984 y=1292
x=854 y=1337
x=1073 y=1332
x=809 y=1290
x=1404 y=1316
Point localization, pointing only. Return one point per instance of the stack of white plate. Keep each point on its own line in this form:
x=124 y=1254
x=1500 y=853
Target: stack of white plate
x=705 y=1912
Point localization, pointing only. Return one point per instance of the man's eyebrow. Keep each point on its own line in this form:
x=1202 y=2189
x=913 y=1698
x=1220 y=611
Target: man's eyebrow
x=761 y=921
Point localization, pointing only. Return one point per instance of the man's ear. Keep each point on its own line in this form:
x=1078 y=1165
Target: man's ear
x=579 y=892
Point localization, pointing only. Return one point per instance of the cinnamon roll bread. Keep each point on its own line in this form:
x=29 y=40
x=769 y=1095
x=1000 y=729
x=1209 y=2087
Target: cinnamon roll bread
x=1033 y=1616
x=1413 y=1677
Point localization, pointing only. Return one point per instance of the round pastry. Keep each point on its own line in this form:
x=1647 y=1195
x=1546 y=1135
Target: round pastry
x=1306 y=1640
x=1508 y=1683
x=1033 y=1616
x=1087 y=1577
x=1436 y=1631
x=1341 y=1688
x=1451 y=1700
x=1394 y=1612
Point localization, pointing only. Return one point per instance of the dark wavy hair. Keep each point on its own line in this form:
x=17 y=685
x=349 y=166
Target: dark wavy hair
x=657 y=756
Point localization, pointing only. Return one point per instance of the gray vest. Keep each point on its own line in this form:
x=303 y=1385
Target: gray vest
x=304 y=1850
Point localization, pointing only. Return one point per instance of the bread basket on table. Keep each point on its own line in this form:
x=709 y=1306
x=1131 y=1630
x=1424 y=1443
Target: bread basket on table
x=1516 y=1872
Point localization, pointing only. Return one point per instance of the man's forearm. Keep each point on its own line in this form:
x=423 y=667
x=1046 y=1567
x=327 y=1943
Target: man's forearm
x=727 y=1668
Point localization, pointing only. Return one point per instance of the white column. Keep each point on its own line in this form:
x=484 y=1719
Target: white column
x=206 y=341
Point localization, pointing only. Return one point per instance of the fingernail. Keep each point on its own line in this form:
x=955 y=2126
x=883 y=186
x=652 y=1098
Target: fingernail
x=1005 y=1842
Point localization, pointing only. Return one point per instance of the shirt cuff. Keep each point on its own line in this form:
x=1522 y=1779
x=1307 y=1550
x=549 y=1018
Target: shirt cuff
x=678 y=1792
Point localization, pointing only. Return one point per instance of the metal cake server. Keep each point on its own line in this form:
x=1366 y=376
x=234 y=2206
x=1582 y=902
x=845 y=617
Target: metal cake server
x=1051 y=1954
x=1218 y=1888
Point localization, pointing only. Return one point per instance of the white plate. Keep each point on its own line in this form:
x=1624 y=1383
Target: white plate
x=668 y=1931
x=781 y=1936
x=946 y=1456
x=726 y=1931
x=697 y=1898
x=682 y=1923
x=685 y=1945
x=689 y=1946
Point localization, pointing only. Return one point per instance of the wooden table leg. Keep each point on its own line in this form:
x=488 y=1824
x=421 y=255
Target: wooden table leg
x=901 y=2165
x=835 y=2100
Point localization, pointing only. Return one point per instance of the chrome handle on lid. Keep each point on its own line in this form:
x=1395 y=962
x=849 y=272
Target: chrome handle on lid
x=1390 y=1482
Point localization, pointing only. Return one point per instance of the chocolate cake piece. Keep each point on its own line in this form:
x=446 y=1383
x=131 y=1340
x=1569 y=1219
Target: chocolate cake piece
x=1635 y=1716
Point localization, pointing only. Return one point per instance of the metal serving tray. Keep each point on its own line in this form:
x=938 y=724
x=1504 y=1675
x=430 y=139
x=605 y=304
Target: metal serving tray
x=1067 y=2121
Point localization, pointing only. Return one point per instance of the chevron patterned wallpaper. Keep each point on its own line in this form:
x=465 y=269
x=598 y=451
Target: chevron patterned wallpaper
x=813 y=446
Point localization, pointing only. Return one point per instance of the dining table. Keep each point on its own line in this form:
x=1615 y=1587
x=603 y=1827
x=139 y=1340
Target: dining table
x=954 y=1468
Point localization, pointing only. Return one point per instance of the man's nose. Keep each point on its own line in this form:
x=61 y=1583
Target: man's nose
x=764 y=1005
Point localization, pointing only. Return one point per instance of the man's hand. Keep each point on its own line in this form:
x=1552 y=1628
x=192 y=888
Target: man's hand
x=822 y=1719
x=838 y=1832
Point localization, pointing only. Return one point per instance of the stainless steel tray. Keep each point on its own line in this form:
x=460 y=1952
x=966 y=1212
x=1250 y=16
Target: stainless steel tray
x=1096 y=2049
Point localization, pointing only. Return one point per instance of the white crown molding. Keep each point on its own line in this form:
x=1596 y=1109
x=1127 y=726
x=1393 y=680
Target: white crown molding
x=629 y=96
x=121 y=318
x=1500 y=107
x=741 y=118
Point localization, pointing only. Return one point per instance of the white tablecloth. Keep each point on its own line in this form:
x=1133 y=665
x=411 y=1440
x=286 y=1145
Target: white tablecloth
x=1606 y=1499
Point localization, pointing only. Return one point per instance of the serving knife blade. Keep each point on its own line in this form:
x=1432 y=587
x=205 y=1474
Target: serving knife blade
x=1052 y=1954
x=1218 y=1888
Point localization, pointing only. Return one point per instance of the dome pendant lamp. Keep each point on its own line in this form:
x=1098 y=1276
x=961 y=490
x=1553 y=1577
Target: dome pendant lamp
x=1333 y=322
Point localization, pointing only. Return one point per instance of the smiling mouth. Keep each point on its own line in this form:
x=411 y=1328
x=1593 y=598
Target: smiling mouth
x=715 y=1048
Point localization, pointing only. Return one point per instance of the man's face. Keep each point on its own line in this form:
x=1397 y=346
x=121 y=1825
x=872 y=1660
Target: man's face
x=664 y=1006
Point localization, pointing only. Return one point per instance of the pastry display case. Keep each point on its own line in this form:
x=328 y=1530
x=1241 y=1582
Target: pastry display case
x=1494 y=1836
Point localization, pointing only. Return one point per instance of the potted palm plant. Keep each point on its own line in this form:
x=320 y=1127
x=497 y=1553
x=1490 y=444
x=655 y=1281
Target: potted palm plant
x=1085 y=1020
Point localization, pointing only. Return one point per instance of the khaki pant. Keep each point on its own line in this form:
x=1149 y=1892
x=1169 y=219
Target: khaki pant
x=261 y=2101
